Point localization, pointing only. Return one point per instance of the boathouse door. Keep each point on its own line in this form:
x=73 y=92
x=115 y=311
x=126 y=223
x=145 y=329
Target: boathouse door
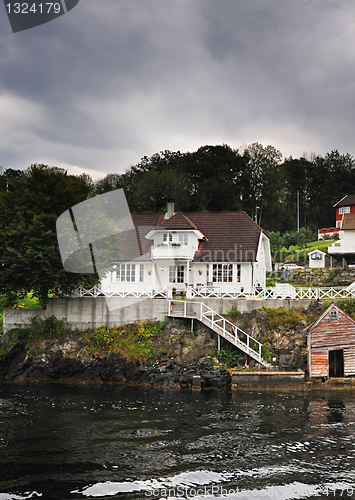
x=336 y=363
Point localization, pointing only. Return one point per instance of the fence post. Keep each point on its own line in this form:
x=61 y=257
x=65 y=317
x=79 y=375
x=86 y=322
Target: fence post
x=185 y=306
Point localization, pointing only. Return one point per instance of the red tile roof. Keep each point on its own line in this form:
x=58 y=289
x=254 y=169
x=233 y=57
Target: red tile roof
x=229 y=236
x=232 y=236
x=134 y=244
x=178 y=221
x=348 y=222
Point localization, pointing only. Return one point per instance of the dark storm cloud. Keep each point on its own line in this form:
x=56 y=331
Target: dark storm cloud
x=113 y=81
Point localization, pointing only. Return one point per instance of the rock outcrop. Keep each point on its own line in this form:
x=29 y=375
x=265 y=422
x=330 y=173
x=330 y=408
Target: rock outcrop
x=176 y=360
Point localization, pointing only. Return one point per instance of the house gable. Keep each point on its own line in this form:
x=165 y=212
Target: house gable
x=333 y=328
x=330 y=337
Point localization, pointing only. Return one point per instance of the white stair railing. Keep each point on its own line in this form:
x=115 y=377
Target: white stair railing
x=222 y=326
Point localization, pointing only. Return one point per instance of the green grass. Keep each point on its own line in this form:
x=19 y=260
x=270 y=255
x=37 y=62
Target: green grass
x=319 y=245
x=298 y=254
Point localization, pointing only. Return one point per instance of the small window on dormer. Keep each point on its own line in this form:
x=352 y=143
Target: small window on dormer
x=183 y=238
x=333 y=314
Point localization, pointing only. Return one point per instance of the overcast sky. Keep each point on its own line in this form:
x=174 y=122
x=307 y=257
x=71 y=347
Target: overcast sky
x=114 y=80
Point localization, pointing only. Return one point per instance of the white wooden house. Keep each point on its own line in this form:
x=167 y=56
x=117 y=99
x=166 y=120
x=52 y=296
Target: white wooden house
x=226 y=251
x=344 y=248
x=318 y=259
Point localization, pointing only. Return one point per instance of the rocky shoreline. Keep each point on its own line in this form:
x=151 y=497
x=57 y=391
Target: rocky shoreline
x=113 y=368
x=178 y=355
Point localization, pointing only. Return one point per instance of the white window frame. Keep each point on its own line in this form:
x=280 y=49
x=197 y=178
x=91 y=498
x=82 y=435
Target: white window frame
x=126 y=273
x=184 y=238
x=166 y=237
x=141 y=273
x=222 y=273
x=239 y=274
x=333 y=315
x=177 y=274
x=344 y=210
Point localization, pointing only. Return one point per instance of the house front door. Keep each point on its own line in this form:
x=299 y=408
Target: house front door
x=336 y=363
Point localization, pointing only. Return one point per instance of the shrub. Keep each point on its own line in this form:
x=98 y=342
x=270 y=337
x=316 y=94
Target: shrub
x=348 y=305
x=289 y=318
x=233 y=313
x=47 y=328
x=132 y=340
x=227 y=358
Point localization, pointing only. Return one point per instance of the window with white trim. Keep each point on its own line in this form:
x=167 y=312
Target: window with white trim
x=126 y=273
x=183 y=238
x=176 y=274
x=239 y=273
x=344 y=210
x=333 y=314
x=222 y=273
x=167 y=237
x=141 y=273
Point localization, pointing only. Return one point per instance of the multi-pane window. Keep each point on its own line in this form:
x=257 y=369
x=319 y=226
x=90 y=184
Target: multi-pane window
x=167 y=237
x=180 y=274
x=333 y=314
x=344 y=210
x=176 y=274
x=172 y=274
x=141 y=273
x=239 y=273
x=126 y=273
x=222 y=273
x=183 y=238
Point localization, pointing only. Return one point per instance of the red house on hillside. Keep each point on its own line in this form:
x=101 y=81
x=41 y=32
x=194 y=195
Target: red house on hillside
x=345 y=206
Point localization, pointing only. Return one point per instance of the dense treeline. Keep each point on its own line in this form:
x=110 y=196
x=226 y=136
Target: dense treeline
x=30 y=203
x=254 y=178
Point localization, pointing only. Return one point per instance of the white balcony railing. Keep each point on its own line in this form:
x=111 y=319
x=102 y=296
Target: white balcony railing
x=173 y=251
x=341 y=249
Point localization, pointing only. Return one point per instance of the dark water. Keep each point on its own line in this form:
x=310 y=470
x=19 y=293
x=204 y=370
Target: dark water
x=77 y=442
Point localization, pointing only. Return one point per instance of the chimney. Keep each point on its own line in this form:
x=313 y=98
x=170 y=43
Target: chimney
x=170 y=208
